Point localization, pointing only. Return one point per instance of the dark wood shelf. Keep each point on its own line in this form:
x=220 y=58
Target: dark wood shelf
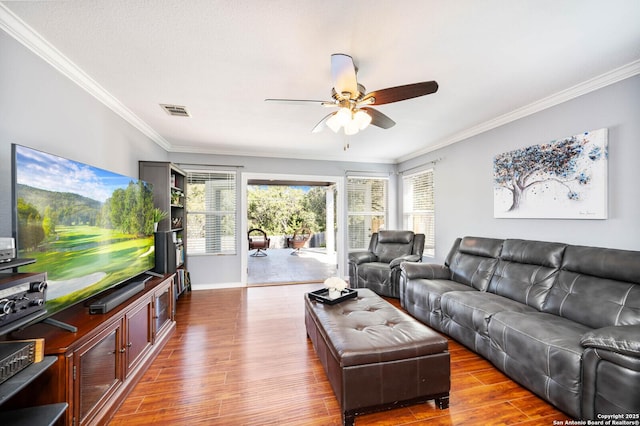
x=15 y=325
x=43 y=415
x=14 y=384
x=15 y=263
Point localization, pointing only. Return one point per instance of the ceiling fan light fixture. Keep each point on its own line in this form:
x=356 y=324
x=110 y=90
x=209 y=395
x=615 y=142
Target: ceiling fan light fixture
x=362 y=119
x=339 y=119
x=344 y=116
x=351 y=128
x=333 y=123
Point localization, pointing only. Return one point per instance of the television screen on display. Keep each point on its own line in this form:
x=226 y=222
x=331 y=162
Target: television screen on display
x=89 y=229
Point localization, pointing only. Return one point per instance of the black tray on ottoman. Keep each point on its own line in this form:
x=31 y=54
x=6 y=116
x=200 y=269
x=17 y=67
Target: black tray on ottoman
x=322 y=296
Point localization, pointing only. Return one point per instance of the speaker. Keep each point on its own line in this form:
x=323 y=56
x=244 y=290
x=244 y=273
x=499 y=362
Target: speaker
x=107 y=303
x=165 y=252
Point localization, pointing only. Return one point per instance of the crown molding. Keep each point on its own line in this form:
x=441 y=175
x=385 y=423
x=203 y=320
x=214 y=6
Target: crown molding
x=618 y=74
x=23 y=33
x=31 y=39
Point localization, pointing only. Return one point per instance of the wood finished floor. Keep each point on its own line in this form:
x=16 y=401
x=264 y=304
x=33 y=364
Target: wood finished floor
x=241 y=357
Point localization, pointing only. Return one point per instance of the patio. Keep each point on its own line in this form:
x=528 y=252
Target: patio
x=281 y=267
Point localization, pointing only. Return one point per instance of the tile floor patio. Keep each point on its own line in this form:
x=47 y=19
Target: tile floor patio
x=280 y=267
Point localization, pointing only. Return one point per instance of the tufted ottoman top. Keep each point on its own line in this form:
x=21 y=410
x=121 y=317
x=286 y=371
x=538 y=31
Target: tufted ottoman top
x=367 y=329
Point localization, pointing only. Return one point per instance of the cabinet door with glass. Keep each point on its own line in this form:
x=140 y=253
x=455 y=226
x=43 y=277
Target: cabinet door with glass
x=97 y=372
x=163 y=311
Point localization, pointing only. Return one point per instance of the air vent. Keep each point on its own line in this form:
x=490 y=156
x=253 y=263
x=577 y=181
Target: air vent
x=177 y=110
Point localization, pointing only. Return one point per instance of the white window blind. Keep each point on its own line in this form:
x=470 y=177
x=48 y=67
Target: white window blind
x=211 y=212
x=366 y=209
x=419 y=207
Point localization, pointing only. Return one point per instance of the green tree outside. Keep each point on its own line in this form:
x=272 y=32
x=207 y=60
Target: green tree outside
x=281 y=210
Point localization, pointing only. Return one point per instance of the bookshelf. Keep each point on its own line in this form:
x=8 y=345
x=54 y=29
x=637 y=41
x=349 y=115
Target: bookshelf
x=169 y=194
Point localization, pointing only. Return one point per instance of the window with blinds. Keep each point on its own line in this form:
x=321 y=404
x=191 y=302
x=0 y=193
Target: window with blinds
x=366 y=209
x=211 y=212
x=419 y=207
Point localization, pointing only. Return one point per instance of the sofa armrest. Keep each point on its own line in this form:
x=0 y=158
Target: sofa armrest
x=432 y=271
x=610 y=367
x=406 y=258
x=623 y=339
x=359 y=257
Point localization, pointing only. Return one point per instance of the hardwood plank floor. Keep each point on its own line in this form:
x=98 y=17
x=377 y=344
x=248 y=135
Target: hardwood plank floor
x=241 y=357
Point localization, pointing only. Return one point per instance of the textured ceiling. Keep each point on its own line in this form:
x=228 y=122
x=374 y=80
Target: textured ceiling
x=221 y=59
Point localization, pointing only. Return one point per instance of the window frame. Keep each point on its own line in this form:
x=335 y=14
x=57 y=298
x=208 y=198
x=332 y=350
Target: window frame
x=230 y=244
x=370 y=214
x=409 y=213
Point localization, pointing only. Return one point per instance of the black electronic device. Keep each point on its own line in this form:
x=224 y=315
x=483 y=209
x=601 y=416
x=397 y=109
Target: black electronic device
x=110 y=301
x=15 y=357
x=166 y=261
x=21 y=295
x=7 y=249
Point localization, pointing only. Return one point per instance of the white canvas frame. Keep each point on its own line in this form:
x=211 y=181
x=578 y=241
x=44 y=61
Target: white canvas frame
x=562 y=179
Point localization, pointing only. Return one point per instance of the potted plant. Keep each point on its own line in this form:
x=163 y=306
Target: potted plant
x=157 y=215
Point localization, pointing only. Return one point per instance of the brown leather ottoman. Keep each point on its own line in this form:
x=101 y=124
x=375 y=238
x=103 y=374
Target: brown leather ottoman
x=377 y=357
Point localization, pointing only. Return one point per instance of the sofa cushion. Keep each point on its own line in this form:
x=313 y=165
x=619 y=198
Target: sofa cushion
x=526 y=271
x=421 y=298
x=474 y=261
x=473 y=309
x=393 y=244
x=466 y=316
x=542 y=352
x=597 y=287
x=402 y=237
x=533 y=252
x=377 y=272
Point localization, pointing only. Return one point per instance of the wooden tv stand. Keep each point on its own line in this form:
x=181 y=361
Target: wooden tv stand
x=100 y=364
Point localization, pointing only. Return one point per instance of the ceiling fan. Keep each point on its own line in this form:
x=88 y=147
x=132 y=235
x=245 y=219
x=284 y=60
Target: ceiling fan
x=353 y=103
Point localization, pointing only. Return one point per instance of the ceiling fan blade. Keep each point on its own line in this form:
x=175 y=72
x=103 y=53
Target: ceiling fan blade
x=343 y=73
x=400 y=93
x=379 y=119
x=318 y=128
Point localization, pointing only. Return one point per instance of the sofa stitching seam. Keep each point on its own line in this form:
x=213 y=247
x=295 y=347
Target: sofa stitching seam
x=566 y=296
x=622 y=305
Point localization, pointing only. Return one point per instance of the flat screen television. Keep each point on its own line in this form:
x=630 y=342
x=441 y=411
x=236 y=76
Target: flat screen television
x=89 y=229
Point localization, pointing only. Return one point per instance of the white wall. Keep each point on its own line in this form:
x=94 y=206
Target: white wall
x=42 y=109
x=210 y=271
x=464 y=176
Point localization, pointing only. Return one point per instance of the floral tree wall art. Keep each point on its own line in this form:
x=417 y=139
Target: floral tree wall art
x=565 y=178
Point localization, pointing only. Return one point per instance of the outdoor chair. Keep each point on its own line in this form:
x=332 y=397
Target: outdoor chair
x=258 y=241
x=299 y=239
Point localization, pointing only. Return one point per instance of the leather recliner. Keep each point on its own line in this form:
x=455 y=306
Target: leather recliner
x=378 y=268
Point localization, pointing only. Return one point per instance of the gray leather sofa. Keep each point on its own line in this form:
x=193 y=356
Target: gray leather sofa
x=378 y=268
x=562 y=320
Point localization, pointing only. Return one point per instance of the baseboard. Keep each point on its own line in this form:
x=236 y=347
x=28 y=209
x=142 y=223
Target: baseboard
x=212 y=286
